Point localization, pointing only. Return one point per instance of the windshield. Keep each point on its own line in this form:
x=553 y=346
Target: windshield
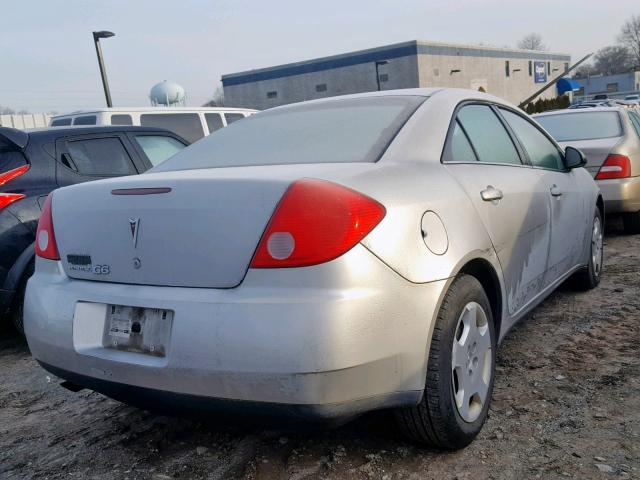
x=582 y=125
x=335 y=131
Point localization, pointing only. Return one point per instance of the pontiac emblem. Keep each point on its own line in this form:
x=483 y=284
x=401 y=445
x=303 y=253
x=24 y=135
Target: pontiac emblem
x=134 y=224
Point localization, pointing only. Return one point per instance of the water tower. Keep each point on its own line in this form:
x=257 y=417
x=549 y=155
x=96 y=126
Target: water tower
x=168 y=94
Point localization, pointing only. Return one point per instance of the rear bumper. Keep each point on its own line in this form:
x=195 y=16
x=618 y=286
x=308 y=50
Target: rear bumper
x=621 y=195
x=326 y=341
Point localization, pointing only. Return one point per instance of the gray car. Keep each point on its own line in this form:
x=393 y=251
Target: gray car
x=609 y=137
x=320 y=259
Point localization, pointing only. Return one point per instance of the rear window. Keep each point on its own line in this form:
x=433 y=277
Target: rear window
x=187 y=125
x=10 y=160
x=85 y=120
x=61 y=122
x=338 y=131
x=582 y=125
x=158 y=148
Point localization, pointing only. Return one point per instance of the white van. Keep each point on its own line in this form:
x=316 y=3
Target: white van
x=190 y=123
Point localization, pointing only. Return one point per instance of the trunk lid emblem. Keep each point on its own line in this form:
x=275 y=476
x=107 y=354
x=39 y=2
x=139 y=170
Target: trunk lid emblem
x=134 y=224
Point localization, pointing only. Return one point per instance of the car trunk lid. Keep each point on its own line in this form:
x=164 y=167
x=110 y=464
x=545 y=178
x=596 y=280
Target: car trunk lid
x=595 y=151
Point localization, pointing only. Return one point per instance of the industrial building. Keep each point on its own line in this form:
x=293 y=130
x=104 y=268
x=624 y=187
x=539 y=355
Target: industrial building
x=508 y=73
x=614 y=86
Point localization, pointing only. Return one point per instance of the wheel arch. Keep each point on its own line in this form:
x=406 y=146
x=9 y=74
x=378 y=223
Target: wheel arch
x=483 y=271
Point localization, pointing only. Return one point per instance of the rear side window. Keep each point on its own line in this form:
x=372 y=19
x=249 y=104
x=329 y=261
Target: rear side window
x=158 y=148
x=187 y=125
x=85 y=120
x=233 y=117
x=214 y=121
x=582 y=125
x=121 y=119
x=100 y=156
x=635 y=121
x=61 y=122
x=541 y=151
x=488 y=136
x=459 y=148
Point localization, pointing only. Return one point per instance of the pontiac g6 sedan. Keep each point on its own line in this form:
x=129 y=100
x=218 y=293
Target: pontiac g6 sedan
x=320 y=259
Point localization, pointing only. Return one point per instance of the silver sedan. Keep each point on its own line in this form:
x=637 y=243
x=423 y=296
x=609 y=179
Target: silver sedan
x=320 y=259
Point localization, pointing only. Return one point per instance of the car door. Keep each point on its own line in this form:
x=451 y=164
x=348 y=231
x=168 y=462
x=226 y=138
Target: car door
x=570 y=219
x=508 y=195
x=84 y=158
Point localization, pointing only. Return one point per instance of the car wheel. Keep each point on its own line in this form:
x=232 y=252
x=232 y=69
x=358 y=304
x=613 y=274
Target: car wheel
x=631 y=222
x=17 y=311
x=460 y=371
x=590 y=277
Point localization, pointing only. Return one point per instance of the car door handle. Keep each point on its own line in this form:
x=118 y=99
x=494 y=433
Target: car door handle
x=491 y=194
x=555 y=191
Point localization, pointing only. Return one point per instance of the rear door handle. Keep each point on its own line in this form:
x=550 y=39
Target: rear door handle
x=555 y=191
x=491 y=194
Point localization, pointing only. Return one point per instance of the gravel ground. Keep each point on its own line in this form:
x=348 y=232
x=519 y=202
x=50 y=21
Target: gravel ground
x=566 y=404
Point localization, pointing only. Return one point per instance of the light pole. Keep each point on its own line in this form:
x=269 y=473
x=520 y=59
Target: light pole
x=96 y=39
x=378 y=63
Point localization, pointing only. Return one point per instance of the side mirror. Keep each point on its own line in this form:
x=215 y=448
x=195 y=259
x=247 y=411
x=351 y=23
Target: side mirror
x=574 y=158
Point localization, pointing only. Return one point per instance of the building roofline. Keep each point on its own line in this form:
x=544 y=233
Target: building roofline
x=387 y=52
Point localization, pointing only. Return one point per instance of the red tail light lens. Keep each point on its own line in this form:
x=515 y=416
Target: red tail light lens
x=7 y=199
x=11 y=174
x=315 y=222
x=615 y=166
x=46 y=246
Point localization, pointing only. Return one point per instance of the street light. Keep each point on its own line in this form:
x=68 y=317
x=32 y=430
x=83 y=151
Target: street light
x=96 y=39
x=378 y=63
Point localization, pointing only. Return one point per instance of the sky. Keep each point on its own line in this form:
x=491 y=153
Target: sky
x=49 y=62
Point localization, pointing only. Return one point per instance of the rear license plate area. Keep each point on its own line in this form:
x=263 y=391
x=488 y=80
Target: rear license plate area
x=137 y=329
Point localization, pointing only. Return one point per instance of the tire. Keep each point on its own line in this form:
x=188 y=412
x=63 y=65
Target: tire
x=589 y=277
x=17 y=310
x=437 y=421
x=631 y=223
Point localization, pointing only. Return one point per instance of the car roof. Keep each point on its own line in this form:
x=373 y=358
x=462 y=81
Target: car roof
x=123 y=110
x=81 y=130
x=578 y=111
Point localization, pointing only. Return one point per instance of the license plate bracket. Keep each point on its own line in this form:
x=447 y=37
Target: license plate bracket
x=137 y=329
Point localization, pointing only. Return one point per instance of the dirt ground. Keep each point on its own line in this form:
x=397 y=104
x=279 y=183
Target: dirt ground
x=566 y=405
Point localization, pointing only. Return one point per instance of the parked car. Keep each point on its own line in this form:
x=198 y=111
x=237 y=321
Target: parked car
x=35 y=162
x=601 y=96
x=190 y=123
x=610 y=140
x=319 y=259
x=635 y=98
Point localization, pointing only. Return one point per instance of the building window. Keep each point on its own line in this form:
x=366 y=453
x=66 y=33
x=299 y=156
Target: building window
x=321 y=87
x=384 y=77
x=273 y=94
x=530 y=68
x=580 y=91
x=548 y=68
x=436 y=72
x=507 y=70
x=612 y=87
x=566 y=66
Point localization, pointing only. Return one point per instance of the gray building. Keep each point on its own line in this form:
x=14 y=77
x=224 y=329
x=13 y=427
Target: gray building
x=507 y=73
x=613 y=85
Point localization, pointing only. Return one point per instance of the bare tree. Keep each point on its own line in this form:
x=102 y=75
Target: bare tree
x=630 y=38
x=612 y=60
x=532 y=41
x=217 y=100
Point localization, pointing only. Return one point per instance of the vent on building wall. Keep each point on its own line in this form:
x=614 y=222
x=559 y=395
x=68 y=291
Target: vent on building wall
x=321 y=87
x=436 y=72
x=384 y=77
x=530 y=68
x=273 y=94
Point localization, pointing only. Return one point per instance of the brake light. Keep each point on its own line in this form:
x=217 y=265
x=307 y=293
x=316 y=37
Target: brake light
x=11 y=174
x=7 y=199
x=615 y=166
x=315 y=222
x=46 y=246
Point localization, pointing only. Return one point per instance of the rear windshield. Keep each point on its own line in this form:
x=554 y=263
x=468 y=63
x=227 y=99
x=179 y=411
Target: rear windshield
x=338 y=131
x=582 y=125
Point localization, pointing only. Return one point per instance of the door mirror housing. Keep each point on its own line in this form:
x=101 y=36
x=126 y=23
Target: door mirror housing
x=574 y=158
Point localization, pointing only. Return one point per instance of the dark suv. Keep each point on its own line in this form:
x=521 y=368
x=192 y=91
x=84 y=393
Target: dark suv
x=35 y=162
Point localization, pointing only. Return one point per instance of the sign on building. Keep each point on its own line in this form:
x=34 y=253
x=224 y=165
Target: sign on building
x=540 y=72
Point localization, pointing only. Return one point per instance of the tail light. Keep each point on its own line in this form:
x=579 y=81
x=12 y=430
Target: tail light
x=46 y=246
x=615 y=166
x=7 y=199
x=315 y=222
